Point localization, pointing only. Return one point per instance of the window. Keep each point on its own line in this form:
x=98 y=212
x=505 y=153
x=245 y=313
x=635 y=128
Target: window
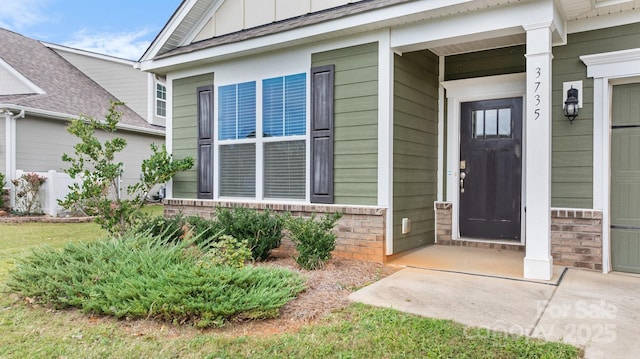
x=161 y=100
x=237 y=115
x=491 y=123
x=284 y=106
x=277 y=149
x=237 y=133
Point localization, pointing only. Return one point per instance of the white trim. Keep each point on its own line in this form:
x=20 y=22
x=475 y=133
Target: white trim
x=168 y=30
x=603 y=21
x=385 y=135
x=169 y=132
x=66 y=117
x=15 y=73
x=441 y=120
x=96 y=55
x=476 y=89
x=199 y=26
x=302 y=35
x=607 y=69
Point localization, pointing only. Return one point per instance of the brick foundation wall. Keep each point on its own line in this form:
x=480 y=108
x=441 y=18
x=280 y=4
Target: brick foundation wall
x=361 y=230
x=576 y=238
x=443 y=222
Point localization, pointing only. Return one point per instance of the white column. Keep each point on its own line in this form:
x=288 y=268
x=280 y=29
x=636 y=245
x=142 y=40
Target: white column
x=538 y=263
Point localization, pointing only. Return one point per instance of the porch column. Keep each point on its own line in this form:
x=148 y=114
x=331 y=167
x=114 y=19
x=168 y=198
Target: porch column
x=538 y=263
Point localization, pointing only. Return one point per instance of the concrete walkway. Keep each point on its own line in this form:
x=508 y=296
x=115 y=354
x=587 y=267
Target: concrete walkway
x=600 y=312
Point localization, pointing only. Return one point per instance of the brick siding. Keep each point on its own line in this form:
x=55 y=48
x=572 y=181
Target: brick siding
x=361 y=230
x=576 y=238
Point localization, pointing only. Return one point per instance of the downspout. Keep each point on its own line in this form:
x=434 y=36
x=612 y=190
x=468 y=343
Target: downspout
x=10 y=146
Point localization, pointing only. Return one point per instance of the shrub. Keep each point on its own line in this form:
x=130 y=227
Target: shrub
x=140 y=277
x=227 y=251
x=28 y=193
x=261 y=229
x=314 y=239
x=95 y=163
x=2 y=184
x=171 y=229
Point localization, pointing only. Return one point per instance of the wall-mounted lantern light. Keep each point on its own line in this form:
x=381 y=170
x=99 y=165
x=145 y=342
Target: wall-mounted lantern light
x=571 y=104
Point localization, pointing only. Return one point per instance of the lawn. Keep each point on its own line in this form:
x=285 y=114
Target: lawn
x=355 y=332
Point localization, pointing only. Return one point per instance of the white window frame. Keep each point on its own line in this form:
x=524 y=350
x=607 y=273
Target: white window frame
x=259 y=140
x=155 y=105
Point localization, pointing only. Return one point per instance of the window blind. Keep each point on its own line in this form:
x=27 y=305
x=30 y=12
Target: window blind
x=284 y=169
x=238 y=170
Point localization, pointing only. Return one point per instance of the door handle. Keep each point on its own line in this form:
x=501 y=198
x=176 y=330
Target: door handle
x=462 y=177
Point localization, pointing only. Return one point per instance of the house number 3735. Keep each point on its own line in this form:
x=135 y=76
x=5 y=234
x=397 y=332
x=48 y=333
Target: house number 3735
x=536 y=94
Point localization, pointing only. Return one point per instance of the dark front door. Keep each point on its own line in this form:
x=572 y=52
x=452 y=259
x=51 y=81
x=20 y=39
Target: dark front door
x=491 y=169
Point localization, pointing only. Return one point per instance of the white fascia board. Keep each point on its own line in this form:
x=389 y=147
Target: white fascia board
x=19 y=76
x=603 y=21
x=168 y=30
x=89 y=54
x=614 y=64
x=306 y=34
x=66 y=117
x=471 y=26
x=201 y=23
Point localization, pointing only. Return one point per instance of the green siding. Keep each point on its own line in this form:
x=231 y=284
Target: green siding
x=185 y=131
x=415 y=148
x=355 y=122
x=501 y=61
x=572 y=156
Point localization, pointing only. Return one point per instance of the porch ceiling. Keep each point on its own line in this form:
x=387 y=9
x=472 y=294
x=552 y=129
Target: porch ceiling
x=584 y=9
x=479 y=45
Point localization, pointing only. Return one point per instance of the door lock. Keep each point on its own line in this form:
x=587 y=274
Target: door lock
x=462 y=177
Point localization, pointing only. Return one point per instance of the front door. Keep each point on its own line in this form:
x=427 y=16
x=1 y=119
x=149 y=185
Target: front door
x=625 y=178
x=491 y=169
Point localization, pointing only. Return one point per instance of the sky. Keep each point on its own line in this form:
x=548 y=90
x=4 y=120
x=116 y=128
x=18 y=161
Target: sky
x=121 y=28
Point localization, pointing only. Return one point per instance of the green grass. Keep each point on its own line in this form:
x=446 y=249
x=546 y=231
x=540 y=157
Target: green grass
x=18 y=240
x=28 y=331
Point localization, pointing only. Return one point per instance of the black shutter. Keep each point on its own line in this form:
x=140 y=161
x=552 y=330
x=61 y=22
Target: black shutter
x=205 y=142
x=322 y=134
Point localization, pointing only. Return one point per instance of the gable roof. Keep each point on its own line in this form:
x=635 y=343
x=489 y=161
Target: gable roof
x=67 y=91
x=282 y=25
x=176 y=38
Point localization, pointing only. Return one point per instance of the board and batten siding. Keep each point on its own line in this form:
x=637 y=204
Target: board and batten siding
x=415 y=147
x=572 y=144
x=355 y=122
x=185 y=131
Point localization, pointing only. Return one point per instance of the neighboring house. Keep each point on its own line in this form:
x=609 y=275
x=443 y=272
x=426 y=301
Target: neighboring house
x=144 y=93
x=40 y=92
x=423 y=121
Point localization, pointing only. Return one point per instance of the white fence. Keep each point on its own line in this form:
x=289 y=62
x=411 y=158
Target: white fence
x=55 y=187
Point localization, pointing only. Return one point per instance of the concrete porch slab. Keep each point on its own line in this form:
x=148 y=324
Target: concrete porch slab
x=480 y=261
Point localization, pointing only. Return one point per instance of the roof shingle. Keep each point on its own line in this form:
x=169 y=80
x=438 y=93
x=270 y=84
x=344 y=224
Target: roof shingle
x=67 y=89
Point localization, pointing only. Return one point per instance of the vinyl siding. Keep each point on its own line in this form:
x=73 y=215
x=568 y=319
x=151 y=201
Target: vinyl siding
x=355 y=122
x=122 y=81
x=572 y=156
x=185 y=131
x=41 y=144
x=3 y=148
x=501 y=61
x=415 y=147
